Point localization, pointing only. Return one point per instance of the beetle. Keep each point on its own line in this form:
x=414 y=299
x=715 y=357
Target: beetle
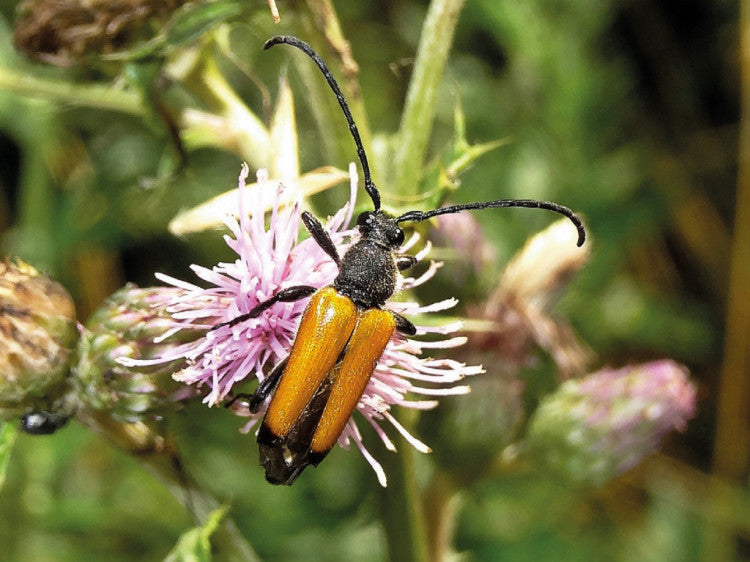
x=345 y=327
x=42 y=422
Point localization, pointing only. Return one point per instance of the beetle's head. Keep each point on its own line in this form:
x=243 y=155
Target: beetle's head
x=380 y=227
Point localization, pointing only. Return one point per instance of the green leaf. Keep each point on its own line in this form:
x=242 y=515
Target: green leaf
x=186 y=25
x=463 y=154
x=441 y=176
x=143 y=75
x=194 y=545
x=192 y=20
x=7 y=440
x=152 y=47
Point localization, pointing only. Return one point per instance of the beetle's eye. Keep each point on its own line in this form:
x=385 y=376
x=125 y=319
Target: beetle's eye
x=364 y=219
x=398 y=237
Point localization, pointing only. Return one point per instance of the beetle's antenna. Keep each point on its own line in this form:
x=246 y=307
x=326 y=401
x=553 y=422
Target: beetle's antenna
x=372 y=191
x=418 y=216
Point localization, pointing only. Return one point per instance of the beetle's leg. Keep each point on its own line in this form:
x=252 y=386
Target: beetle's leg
x=403 y=325
x=265 y=388
x=290 y=294
x=320 y=235
x=405 y=262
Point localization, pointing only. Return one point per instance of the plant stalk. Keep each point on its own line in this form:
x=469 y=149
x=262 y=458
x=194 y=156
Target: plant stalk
x=159 y=456
x=400 y=506
x=421 y=98
x=95 y=96
x=732 y=444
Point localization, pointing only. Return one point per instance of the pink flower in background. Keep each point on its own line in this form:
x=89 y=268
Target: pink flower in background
x=597 y=427
x=270 y=258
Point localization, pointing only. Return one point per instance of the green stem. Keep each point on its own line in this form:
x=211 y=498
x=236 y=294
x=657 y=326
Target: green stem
x=39 y=136
x=416 y=120
x=95 y=96
x=158 y=455
x=227 y=538
x=400 y=508
x=401 y=511
x=441 y=503
x=36 y=199
x=321 y=25
x=732 y=442
x=327 y=21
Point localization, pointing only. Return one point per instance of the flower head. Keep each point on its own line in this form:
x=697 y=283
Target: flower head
x=63 y=32
x=597 y=427
x=131 y=324
x=271 y=258
x=37 y=337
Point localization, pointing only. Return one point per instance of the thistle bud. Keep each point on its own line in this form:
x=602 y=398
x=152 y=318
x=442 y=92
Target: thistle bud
x=594 y=428
x=62 y=32
x=132 y=324
x=37 y=335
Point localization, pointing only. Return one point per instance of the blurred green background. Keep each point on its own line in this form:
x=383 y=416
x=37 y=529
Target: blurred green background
x=626 y=111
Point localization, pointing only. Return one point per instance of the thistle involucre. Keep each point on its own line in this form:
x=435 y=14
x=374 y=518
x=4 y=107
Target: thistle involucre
x=132 y=324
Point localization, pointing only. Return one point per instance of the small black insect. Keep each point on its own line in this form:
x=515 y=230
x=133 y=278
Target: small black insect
x=42 y=422
x=344 y=329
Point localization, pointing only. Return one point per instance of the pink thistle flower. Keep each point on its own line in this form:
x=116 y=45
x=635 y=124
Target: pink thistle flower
x=270 y=258
x=597 y=427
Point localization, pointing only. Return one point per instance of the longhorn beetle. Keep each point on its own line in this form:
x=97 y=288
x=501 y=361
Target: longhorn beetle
x=345 y=327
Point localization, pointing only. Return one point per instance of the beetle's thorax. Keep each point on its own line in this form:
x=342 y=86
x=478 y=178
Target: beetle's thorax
x=368 y=272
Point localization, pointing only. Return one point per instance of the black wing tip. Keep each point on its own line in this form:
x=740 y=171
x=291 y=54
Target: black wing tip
x=282 y=460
